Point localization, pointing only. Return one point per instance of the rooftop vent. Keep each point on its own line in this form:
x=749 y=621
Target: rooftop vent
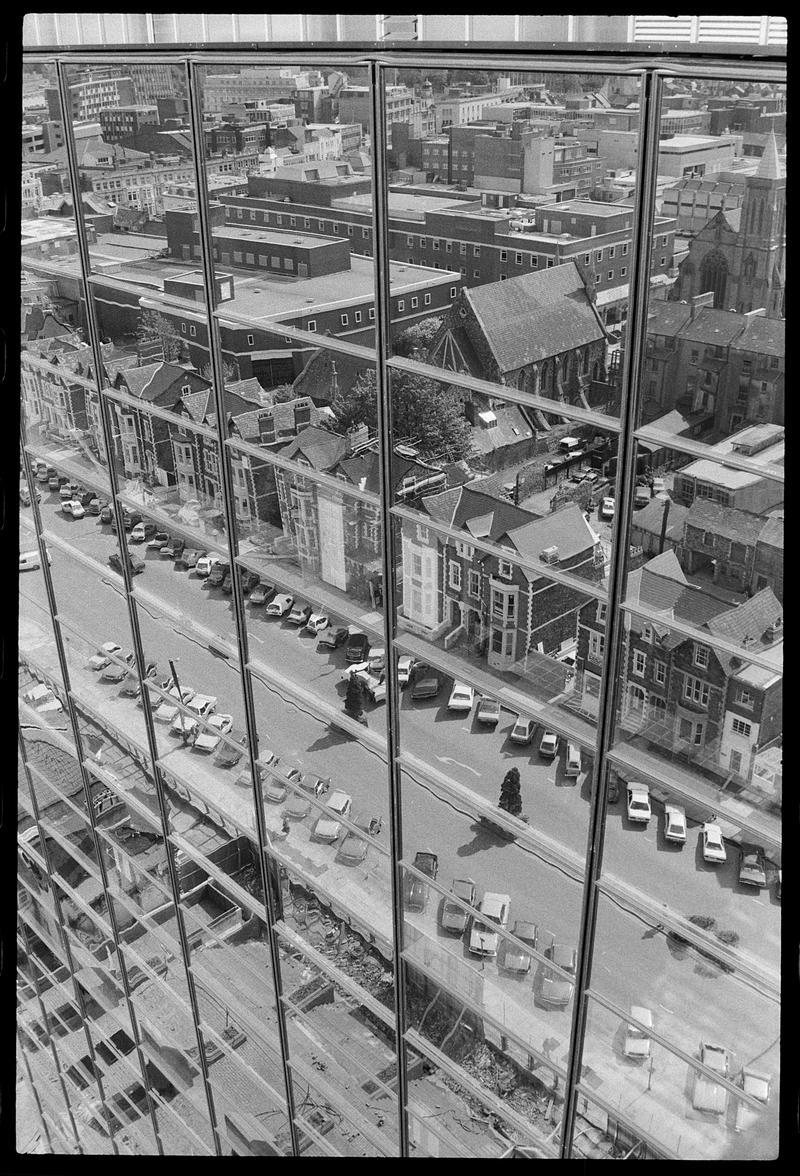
x=549 y=555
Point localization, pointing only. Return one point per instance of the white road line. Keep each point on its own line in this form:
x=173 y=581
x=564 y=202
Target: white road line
x=445 y=759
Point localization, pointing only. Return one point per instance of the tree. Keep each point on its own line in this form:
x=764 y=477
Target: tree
x=510 y=800
x=353 y=703
x=424 y=412
x=282 y=393
x=417 y=339
x=230 y=372
x=156 y=328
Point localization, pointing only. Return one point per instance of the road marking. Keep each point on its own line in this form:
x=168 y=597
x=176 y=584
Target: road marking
x=445 y=759
x=666 y=1010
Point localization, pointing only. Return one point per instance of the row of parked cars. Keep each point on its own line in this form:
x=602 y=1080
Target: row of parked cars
x=752 y=860
x=483 y=929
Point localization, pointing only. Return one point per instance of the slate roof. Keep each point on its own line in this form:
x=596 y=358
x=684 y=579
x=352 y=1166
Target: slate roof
x=651 y=518
x=772 y=533
x=509 y=418
x=769 y=166
x=457 y=506
x=739 y=525
x=666 y=318
x=763 y=336
x=565 y=529
x=530 y=318
x=247 y=424
x=326 y=371
x=319 y=446
x=196 y=404
x=155 y=379
x=249 y=389
x=712 y=326
x=745 y=624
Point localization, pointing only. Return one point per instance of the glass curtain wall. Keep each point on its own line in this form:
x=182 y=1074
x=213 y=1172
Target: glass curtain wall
x=401 y=485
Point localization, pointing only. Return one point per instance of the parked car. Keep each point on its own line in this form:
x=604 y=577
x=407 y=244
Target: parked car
x=248 y=580
x=357 y=647
x=299 y=614
x=752 y=866
x=106 y=513
x=117 y=669
x=708 y=1095
x=556 y=990
x=173 y=549
x=454 y=917
x=130 y=685
x=273 y=788
x=548 y=745
x=166 y=711
x=205 y=563
x=426 y=682
x=188 y=558
x=66 y=490
x=333 y=636
x=484 y=936
x=317 y=622
x=102 y=658
x=514 y=958
x=261 y=593
x=461 y=697
x=639 y=803
x=758 y=1086
x=96 y=505
x=227 y=583
x=606 y=509
x=298 y=806
x=217 y=571
x=143 y=532
x=354 y=848
x=267 y=759
x=713 y=844
x=328 y=825
x=25 y=496
x=74 y=508
x=209 y=737
x=231 y=750
x=137 y=563
x=637 y=1041
x=416 y=890
x=523 y=729
x=573 y=763
x=29 y=561
x=675 y=823
x=405 y=666
x=658 y=487
x=641 y=497
x=488 y=711
x=279 y=605
x=307 y=781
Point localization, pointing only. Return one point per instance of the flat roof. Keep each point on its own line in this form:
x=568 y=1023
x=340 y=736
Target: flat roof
x=731 y=479
x=587 y=207
x=398 y=202
x=237 y=232
x=687 y=142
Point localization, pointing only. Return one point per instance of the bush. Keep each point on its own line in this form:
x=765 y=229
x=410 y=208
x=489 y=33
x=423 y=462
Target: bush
x=704 y=922
x=731 y=938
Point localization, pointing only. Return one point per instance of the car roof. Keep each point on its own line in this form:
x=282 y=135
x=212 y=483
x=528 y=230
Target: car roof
x=635 y=787
x=524 y=929
x=562 y=954
x=492 y=902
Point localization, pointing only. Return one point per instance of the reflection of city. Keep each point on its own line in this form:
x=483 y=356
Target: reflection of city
x=225 y=736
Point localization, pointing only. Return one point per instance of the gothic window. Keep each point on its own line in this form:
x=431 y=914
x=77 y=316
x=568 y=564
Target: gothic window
x=714 y=277
x=749 y=268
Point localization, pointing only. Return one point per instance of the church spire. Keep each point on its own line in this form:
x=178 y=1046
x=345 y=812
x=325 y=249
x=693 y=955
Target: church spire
x=769 y=167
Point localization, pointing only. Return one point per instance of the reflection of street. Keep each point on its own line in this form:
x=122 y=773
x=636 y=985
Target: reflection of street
x=471 y=755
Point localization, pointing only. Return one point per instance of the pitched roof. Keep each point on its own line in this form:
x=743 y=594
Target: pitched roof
x=527 y=319
x=196 y=404
x=248 y=389
x=651 y=518
x=666 y=318
x=763 y=336
x=712 y=326
x=327 y=373
x=320 y=447
x=726 y=521
x=511 y=428
x=462 y=505
x=247 y=424
x=746 y=623
x=156 y=379
x=769 y=166
x=565 y=529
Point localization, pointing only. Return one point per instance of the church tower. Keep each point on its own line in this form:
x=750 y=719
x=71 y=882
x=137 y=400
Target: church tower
x=762 y=238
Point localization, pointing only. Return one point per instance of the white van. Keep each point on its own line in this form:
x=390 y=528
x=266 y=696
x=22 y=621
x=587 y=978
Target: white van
x=569 y=444
x=572 y=764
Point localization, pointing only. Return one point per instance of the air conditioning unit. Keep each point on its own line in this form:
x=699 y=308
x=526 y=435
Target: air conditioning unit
x=549 y=555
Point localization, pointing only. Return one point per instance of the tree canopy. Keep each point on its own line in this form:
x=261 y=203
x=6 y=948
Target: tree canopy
x=156 y=328
x=425 y=413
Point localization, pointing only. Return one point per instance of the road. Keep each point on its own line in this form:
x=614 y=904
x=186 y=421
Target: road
x=688 y=1006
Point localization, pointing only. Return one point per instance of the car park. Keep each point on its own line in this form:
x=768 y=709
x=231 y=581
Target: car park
x=606 y=510
x=405 y=666
x=426 y=681
x=548 y=745
x=415 y=889
x=488 y=711
x=74 y=508
x=299 y=614
x=209 y=737
x=354 y=847
x=29 y=561
x=137 y=563
x=333 y=636
x=752 y=866
x=572 y=762
x=328 y=825
x=556 y=989
x=637 y=1041
x=713 y=844
x=142 y=532
x=523 y=729
x=261 y=593
x=461 y=697
x=454 y=916
x=357 y=648
x=279 y=605
x=639 y=803
x=513 y=957
x=484 y=936
x=675 y=823
x=316 y=622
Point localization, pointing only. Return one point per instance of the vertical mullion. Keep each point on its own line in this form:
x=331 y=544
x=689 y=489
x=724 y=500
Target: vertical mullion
x=637 y=318
x=380 y=236
x=272 y=898
x=133 y=618
x=32 y=1089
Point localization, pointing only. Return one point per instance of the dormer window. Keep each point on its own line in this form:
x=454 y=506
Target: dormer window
x=701 y=656
x=505 y=569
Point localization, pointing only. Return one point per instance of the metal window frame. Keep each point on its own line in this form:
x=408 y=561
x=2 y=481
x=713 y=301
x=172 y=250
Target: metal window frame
x=653 y=65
